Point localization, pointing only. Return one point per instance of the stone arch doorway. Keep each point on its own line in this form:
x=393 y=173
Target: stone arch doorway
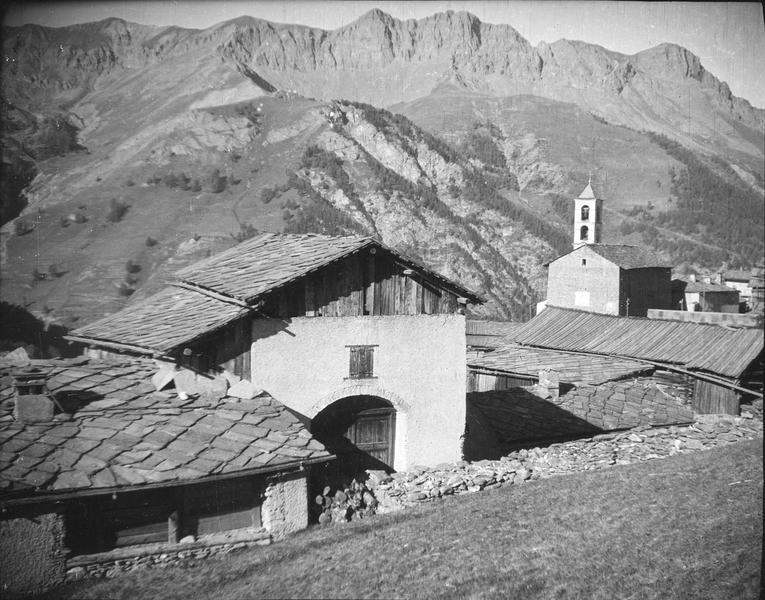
x=361 y=431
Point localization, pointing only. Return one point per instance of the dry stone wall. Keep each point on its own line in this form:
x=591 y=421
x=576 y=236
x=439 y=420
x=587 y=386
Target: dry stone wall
x=399 y=490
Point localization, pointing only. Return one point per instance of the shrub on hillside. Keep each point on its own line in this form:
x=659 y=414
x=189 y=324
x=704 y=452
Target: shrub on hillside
x=267 y=194
x=117 y=211
x=150 y=241
x=216 y=182
x=132 y=267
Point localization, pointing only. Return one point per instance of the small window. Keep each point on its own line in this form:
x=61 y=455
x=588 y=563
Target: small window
x=361 y=362
x=584 y=262
x=584 y=232
x=585 y=213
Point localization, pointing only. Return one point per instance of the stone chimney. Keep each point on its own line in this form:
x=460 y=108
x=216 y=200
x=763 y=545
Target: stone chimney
x=549 y=381
x=31 y=401
x=719 y=278
x=692 y=277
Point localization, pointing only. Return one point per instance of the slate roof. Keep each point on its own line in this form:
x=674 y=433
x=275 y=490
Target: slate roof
x=124 y=433
x=688 y=286
x=737 y=275
x=572 y=368
x=518 y=414
x=226 y=285
x=489 y=334
x=622 y=255
x=169 y=318
x=713 y=348
x=271 y=260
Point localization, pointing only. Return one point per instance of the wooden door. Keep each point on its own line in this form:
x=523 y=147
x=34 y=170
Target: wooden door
x=373 y=433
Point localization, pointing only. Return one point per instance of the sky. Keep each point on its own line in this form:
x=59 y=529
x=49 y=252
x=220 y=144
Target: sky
x=729 y=37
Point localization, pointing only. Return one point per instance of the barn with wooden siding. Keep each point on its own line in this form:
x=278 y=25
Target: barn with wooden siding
x=720 y=364
x=326 y=324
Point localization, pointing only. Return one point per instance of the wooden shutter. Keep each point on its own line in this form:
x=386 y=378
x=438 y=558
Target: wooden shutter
x=361 y=362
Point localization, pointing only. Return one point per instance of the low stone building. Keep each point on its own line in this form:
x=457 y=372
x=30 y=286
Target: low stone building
x=703 y=295
x=95 y=461
x=519 y=395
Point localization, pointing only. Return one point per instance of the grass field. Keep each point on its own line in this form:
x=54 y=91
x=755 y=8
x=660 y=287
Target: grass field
x=689 y=526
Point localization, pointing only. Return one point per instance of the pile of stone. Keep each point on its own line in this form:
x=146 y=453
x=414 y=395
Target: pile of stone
x=352 y=502
x=421 y=484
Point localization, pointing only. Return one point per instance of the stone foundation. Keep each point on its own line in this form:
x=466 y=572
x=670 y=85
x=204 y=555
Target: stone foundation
x=109 y=564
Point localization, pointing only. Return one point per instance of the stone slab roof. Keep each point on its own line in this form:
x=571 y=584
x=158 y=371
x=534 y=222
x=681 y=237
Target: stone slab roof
x=215 y=291
x=571 y=368
x=122 y=433
x=696 y=346
x=166 y=320
x=624 y=256
x=518 y=413
x=686 y=285
x=271 y=260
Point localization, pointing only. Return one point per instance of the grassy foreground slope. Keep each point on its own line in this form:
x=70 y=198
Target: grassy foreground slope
x=684 y=527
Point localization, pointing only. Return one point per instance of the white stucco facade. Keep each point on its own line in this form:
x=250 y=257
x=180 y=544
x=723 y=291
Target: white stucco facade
x=419 y=367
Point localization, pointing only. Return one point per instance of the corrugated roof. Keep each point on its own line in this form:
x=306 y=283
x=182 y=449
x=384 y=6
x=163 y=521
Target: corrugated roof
x=712 y=348
x=489 y=334
x=271 y=260
x=622 y=255
x=572 y=368
x=125 y=433
x=163 y=321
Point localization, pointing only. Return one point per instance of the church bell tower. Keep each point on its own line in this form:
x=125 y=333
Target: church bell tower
x=587 y=217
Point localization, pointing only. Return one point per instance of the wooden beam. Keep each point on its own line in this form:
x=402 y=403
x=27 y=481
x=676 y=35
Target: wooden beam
x=113 y=345
x=211 y=293
x=43 y=497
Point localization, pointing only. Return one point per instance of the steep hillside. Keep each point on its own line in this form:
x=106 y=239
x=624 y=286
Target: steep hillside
x=132 y=150
x=103 y=228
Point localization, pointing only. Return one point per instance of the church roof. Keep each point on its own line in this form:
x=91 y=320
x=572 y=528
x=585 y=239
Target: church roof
x=622 y=255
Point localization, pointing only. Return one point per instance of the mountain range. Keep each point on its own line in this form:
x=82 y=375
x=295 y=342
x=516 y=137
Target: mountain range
x=132 y=150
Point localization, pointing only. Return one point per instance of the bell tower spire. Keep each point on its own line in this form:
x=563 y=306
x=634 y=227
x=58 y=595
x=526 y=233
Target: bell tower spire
x=587 y=216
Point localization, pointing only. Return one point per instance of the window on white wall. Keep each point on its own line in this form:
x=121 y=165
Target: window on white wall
x=361 y=362
x=581 y=298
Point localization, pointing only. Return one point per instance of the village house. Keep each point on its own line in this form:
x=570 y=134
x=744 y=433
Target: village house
x=361 y=343
x=613 y=279
x=97 y=466
x=740 y=280
x=704 y=295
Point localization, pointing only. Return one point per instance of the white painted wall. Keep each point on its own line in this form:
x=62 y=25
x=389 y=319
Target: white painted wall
x=419 y=366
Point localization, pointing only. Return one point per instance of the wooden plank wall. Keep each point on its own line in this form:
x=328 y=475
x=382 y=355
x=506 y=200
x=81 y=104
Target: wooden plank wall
x=710 y=398
x=361 y=284
x=487 y=382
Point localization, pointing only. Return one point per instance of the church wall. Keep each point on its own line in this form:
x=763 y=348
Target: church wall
x=592 y=286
